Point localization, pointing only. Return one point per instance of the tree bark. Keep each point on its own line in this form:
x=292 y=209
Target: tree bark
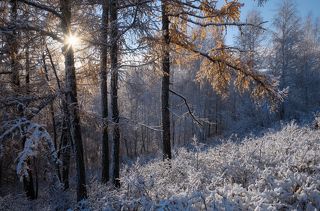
x=27 y=69
x=165 y=83
x=15 y=82
x=66 y=150
x=72 y=101
x=114 y=91
x=63 y=132
x=104 y=92
x=54 y=136
x=28 y=181
x=28 y=185
x=35 y=167
x=0 y=173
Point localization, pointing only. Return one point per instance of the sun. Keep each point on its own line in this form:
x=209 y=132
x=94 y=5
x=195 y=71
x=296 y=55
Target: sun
x=72 y=40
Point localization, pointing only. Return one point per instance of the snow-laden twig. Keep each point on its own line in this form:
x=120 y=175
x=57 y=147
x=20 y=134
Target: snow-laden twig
x=35 y=138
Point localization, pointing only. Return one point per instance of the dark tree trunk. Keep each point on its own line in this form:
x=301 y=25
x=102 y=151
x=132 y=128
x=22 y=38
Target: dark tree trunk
x=173 y=131
x=165 y=83
x=27 y=69
x=15 y=82
x=28 y=181
x=135 y=143
x=54 y=136
x=127 y=147
x=53 y=68
x=0 y=174
x=63 y=132
x=104 y=92
x=179 y=131
x=114 y=91
x=216 y=116
x=35 y=167
x=72 y=101
x=143 y=147
x=51 y=111
x=66 y=150
x=28 y=185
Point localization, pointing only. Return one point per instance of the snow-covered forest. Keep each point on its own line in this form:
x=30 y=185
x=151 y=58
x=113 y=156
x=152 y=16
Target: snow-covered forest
x=152 y=105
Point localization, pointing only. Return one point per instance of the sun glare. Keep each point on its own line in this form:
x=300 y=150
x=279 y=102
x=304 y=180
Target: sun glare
x=72 y=40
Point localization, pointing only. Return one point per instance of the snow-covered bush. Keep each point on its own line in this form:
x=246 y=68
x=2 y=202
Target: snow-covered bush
x=279 y=171
x=35 y=138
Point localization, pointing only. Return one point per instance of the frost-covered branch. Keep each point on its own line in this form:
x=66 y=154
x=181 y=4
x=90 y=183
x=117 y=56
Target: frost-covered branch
x=23 y=26
x=42 y=7
x=36 y=138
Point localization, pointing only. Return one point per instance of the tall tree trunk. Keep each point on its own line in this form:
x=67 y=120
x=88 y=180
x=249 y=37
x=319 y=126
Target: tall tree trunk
x=143 y=147
x=0 y=173
x=28 y=185
x=35 y=168
x=66 y=150
x=179 y=132
x=27 y=69
x=216 y=115
x=173 y=130
x=165 y=83
x=114 y=91
x=15 y=82
x=45 y=67
x=72 y=101
x=65 y=133
x=135 y=143
x=104 y=92
x=54 y=136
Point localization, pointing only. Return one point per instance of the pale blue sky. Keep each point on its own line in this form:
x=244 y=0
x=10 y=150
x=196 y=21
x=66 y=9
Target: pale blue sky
x=268 y=10
x=304 y=7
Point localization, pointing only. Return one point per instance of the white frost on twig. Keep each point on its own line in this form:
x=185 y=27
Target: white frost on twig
x=35 y=136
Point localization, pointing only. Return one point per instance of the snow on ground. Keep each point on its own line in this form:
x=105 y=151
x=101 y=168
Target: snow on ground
x=279 y=171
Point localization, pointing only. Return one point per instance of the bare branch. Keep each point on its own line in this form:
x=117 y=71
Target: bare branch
x=185 y=101
x=154 y=128
x=42 y=7
x=53 y=67
x=46 y=101
x=5 y=72
x=30 y=28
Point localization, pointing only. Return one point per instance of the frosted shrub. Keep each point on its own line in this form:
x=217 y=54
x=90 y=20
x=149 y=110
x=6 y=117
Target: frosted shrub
x=277 y=171
x=36 y=139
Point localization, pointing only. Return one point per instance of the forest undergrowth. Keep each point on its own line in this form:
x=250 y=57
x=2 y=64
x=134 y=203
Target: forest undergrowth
x=277 y=171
